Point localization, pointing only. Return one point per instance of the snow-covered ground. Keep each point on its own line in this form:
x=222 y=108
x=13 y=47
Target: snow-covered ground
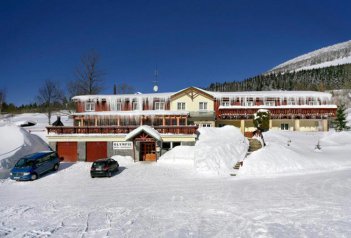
x=159 y=200
x=287 y=189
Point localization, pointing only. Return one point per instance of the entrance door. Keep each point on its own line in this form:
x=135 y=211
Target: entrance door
x=148 y=151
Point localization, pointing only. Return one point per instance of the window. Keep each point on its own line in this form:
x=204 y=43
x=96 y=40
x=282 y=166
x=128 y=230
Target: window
x=159 y=106
x=313 y=103
x=181 y=105
x=284 y=126
x=205 y=125
x=119 y=106
x=225 y=103
x=269 y=103
x=89 y=106
x=291 y=102
x=249 y=103
x=203 y=106
x=135 y=106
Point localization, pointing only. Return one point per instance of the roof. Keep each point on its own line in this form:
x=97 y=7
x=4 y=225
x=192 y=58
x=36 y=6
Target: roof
x=147 y=129
x=192 y=89
x=133 y=113
x=209 y=94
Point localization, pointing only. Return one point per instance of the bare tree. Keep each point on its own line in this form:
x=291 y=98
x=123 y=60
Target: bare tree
x=88 y=77
x=124 y=89
x=2 y=97
x=49 y=94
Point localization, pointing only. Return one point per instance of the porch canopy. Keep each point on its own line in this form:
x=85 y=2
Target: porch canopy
x=147 y=130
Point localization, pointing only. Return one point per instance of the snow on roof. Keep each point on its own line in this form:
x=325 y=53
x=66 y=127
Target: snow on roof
x=273 y=94
x=133 y=113
x=147 y=129
x=218 y=95
x=121 y=96
x=279 y=107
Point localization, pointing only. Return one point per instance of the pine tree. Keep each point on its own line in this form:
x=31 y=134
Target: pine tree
x=340 y=121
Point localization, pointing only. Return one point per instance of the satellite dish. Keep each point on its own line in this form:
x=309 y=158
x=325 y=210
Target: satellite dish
x=155 y=88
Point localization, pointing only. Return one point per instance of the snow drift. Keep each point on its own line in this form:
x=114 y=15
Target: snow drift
x=15 y=142
x=216 y=151
x=299 y=156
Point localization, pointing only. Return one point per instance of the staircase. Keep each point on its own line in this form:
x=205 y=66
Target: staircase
x=254 y=145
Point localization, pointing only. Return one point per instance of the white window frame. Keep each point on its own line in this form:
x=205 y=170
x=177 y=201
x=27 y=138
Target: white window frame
x=159 y=106
x=90 y=106
x=225 y=103
x=313 y=103
x=203 y=106
x=180 y=105
x=291 y=102
x=118 y=106
x=206 y=125
x=135 y=106
x=269 y=103
x=249 y=103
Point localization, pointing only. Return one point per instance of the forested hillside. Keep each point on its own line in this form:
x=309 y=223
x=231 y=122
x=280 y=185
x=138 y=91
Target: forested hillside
x=321 y=79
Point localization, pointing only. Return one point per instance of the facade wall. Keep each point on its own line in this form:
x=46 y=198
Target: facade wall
x=192 y=105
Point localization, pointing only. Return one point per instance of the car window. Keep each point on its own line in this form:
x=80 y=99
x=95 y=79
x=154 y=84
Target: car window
x=98 y=164
x=24 y=163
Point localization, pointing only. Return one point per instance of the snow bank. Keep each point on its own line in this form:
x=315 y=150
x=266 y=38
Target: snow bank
x=123 y=160
x=216 y=151
x=180 y=155
x=15 y=142
x=300 y=155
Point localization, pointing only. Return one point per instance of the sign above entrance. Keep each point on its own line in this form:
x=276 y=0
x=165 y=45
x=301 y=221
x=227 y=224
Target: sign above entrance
x=127 y=145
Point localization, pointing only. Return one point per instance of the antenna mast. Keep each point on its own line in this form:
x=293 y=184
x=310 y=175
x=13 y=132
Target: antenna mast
x=155 y=88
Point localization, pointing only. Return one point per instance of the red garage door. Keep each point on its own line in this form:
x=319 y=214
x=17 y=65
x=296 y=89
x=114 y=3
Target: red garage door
x=96 y=150
x=67 y=150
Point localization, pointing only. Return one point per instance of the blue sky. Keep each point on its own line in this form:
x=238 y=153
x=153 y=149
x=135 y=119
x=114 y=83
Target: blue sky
x=193 y=43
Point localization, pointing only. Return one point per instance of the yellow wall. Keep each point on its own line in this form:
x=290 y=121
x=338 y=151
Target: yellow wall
x=192 y=105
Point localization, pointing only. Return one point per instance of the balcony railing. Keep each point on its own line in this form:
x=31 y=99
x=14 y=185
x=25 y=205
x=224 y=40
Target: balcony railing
x=118 y=129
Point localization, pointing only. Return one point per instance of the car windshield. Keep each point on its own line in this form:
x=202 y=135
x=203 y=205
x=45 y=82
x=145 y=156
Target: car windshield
x=24 y=163
x=99 y=163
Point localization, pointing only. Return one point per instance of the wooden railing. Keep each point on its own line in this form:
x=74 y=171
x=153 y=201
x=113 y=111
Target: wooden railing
x=289 y=113
x=118 y=129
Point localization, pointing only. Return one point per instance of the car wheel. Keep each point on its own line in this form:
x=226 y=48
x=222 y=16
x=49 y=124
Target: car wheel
x=92 y=176
x=109 y=174
x=56 y=167
x=33 y=176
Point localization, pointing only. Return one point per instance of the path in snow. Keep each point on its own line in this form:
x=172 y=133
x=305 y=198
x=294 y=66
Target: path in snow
x=148 y=200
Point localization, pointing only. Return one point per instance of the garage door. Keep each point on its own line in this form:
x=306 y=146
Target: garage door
x=67 y=150
x=96 y=150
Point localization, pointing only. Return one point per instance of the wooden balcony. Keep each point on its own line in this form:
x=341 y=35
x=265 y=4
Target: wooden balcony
x=288 y=113
x=118 y=129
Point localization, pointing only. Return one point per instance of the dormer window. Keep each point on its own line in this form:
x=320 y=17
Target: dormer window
x=135 y=106
x=313 y=103
x=249 y=103
x=269 y=103
x=291 y=102
x=159 y=106
x=225 y=103
x=89 y=106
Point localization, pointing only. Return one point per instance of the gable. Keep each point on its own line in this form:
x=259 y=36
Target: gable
x=192 y=93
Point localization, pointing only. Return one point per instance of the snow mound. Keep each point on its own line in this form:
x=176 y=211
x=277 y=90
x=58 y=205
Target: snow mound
x=123 y=160
x=180 y=154
x=16 y=142
x=301 y=157
x=216 y=151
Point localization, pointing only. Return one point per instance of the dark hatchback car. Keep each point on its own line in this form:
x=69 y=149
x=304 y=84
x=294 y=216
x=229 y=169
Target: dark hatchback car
x=33 y=165
x=104 y=167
